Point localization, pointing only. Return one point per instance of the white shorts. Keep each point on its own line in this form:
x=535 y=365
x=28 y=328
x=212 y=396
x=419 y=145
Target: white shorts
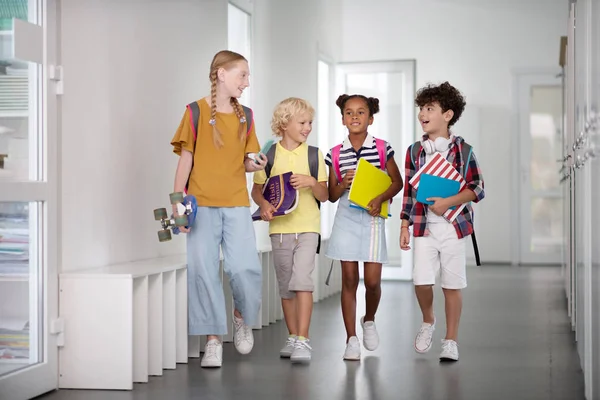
x=440 y=253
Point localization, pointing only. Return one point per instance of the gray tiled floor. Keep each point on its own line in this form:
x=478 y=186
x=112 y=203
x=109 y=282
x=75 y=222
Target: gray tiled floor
x=515 y=343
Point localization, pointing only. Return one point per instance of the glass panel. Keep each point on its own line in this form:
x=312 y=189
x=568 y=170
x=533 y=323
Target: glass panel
x=546 y=225
x=19 y=307
x=19 y=94
x=546 y=143
x=239 y=40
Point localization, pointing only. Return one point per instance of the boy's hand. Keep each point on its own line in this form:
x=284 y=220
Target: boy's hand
x=348 y=177
x=302 y=181
x=440 y=205
x=404 y=238
x=266 y=211
x=374 y=206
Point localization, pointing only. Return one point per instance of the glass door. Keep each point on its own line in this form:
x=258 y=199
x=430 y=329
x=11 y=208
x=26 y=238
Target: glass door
x=540 y=146
x=393 y=83
x=28 y=200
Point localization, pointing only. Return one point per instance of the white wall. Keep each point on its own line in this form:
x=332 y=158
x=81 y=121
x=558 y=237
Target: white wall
x=476 y=45
x=131 y=66
x=130 y=69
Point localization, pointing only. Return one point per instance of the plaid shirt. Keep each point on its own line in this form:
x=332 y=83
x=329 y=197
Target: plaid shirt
x=416 y=213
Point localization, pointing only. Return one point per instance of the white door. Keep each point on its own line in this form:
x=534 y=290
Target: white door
x=28 y=201
x=393 y=83
x=540 y=99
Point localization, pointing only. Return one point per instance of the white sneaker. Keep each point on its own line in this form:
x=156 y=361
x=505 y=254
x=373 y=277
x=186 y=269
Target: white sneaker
x=288 y=349
x=424 y=338
x=302 y=352
x=352 y=352
x=243 y=339
x=449 y=350
x=370 y=335
x=213 y=354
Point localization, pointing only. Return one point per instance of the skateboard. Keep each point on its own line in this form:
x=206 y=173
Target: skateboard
x=185 y=219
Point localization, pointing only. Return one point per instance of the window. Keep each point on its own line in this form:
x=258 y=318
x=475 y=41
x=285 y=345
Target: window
x=239 y=37
x=326 y=138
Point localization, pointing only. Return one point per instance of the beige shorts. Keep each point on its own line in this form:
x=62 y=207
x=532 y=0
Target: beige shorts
x=294 y=259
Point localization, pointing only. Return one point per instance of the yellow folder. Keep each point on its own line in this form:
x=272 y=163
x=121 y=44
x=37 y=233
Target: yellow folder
x=369 y=182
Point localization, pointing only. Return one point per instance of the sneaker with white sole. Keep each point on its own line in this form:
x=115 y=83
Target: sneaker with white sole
x=288 y=348
x=213 y=354
x=352 y=352
x=243 y=338
x=370 y=335
x=449 y=350
x=424 y=338
x=302 y=352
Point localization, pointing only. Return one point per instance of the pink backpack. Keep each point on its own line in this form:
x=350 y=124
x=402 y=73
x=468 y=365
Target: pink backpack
x=335 y=157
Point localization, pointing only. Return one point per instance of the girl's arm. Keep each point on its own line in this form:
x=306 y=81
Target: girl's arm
x=396 y=186
x=184 y=167
x=335 y=189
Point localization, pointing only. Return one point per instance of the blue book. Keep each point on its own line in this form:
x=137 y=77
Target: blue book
x=434 y=186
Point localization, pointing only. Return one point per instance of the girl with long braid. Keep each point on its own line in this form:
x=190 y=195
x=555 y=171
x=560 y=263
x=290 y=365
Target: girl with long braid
x=212 y=166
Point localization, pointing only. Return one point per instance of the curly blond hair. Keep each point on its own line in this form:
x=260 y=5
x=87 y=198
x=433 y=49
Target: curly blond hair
x=286 y=110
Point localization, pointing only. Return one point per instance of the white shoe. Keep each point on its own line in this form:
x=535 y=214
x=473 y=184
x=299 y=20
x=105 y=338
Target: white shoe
x=370 y=335
x=352 y=352
x=424 y=338
x=288 y=349
x=449 y=350
x=302 y=352
x=213 y=354
x=243 y=339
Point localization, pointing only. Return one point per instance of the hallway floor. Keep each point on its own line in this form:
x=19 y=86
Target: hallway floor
x=515 y=343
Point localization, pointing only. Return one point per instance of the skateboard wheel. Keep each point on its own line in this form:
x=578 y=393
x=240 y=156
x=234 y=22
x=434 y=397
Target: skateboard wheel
x=160 y=213
x=176 y=197
x=181 y=220
x=164 y=236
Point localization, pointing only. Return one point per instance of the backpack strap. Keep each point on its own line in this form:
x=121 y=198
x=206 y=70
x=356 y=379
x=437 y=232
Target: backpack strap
x=313 y=166
x=381 y=150
x=335 y=161
x=465 y=152
x=415 y=151
x=249 y=115
x=270 y=159
x=194 y=111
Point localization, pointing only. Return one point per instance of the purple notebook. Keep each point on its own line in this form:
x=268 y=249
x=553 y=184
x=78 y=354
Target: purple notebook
x=279 y=192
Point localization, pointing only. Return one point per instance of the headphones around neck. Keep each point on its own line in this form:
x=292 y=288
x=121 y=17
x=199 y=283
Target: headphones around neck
x=440 y=144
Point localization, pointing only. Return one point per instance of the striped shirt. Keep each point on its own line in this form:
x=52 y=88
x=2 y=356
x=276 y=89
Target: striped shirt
x=349 y=157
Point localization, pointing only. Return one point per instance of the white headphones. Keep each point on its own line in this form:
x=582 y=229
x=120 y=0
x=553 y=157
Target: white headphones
x=440 y=144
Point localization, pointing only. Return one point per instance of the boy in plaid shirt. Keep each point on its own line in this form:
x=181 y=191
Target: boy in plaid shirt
x=440 y=245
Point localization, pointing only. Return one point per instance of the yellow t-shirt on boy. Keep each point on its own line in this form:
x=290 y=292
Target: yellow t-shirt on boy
x=307 y=216
x=218 y=177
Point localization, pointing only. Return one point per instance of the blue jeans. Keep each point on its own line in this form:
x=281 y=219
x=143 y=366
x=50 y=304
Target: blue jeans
x=231 y=229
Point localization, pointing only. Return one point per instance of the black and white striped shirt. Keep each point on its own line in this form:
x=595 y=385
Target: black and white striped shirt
x=349 y=157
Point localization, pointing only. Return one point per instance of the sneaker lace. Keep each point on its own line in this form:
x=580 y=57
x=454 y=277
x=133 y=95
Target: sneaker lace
x=243 y=330
x=211 y=349
x=290 y=342
x=302 y=344
x=450 y=346
x=425 y=329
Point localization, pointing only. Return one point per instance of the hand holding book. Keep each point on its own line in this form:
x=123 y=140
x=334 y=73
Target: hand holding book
x=440 y=205
x=374 y=207
x=266 y=211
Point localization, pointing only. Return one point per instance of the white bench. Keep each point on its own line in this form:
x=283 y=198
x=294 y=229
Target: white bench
x=123 y=323
x=126 y=322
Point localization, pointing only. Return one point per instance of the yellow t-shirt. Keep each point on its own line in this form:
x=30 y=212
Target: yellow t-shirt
x=307 y=216
x=218 y=177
